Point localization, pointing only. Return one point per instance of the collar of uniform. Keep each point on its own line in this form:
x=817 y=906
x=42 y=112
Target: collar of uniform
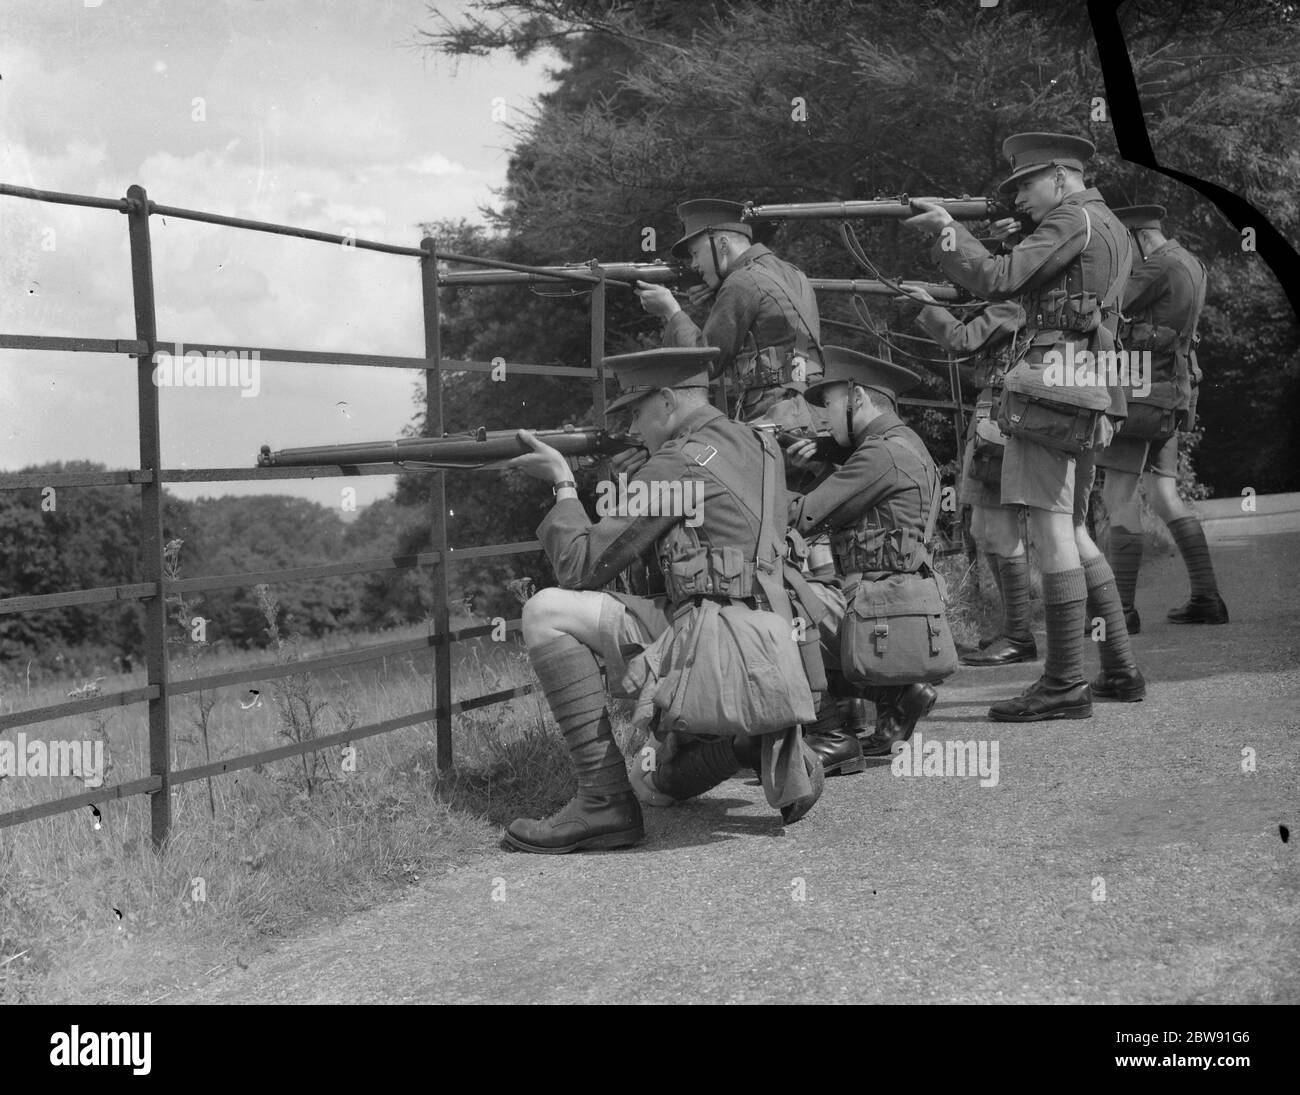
x=886 y=420
x=752 y=253
x=1091 y=194
x=696 y=419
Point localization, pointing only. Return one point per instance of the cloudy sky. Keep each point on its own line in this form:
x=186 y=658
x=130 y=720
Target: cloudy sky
x=318 y=113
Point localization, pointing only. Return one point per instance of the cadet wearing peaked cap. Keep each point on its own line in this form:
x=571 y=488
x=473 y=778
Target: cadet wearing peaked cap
x=763 y=318
x=1134 y=217
x=1162 y=305
x=1029 y=153
x=733 y=554
x=1069 y=275
x=648 y=371
x=877 y=508
x=709 y=214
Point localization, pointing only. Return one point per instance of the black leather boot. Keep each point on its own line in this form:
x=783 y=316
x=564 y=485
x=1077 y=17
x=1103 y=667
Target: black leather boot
x=1046 y=698
x=840 y=753
x=898 y=710
x=1125 y=685
x=1003 y=651
x=590 y=821
x=1200 y=610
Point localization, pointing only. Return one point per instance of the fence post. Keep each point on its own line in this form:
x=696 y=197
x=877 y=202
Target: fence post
x=598 y=349
x=151 y=514
x=433 y=425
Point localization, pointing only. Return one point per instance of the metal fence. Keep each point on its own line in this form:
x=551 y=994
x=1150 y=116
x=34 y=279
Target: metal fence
x=154 y=591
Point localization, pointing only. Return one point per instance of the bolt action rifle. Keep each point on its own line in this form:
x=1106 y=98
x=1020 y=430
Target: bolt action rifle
x=476 y=450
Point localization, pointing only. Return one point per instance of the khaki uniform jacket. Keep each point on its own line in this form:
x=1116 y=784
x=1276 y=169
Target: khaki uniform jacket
x=1063 y=252
x=754 y=309
x=885 y=485
x=588 y=555
x=1168 y=290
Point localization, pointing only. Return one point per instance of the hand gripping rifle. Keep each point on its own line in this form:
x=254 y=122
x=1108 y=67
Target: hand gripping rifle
x=478 y=449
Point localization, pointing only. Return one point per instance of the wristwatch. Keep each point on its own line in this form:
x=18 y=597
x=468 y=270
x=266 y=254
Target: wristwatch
x=563 y=483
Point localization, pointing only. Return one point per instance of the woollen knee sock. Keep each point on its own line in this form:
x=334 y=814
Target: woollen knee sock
x=570 y=677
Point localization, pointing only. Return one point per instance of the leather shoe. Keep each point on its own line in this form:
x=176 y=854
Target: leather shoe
x=839 y=750
x=585 y=821
x=965 y=648
x=799 y=808
x=1125 y=685
x=1046 y=699
x=896 y=718
x=1200 y=610
x=1003 y=651
x=1132 y=621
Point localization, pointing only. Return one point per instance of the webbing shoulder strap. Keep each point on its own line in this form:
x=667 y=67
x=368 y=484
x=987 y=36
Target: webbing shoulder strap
x=798 y=311
x=932 y=519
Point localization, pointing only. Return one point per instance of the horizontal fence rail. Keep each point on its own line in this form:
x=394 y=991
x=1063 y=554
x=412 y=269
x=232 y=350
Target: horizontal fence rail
x=154 y=592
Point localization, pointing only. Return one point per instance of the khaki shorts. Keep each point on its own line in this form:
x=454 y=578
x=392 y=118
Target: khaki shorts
x=629 y=626
x=1047 y=479
x=1034 y=475
x=1128 y=454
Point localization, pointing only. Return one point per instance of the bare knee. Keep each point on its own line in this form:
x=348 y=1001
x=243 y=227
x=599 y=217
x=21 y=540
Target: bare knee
x=543 y=615
x=1054 y=540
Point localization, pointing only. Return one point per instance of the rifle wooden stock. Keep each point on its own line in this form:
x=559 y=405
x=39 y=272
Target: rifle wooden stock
x=962 y=209
x=481 y=448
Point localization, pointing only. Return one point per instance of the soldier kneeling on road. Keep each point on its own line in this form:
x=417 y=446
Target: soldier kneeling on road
x=884 y=635
x=713 y=663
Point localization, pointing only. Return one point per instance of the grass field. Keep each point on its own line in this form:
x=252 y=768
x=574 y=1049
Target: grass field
x=93 y=914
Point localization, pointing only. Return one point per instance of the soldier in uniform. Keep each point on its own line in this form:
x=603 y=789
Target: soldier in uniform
x=1162 y=305
x=765 y=323
x=1068 y=274
x=734 y=554
x=989 y=335
x=763 y=319
x=876 y=507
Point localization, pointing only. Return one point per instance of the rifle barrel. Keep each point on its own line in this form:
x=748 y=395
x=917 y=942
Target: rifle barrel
x=657 y=273
x=871 y=288
x=971 y=209
x=479 y=449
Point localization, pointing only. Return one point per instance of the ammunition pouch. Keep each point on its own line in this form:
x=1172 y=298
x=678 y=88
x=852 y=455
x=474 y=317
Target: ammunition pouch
x=874 y=549
x=1049 y=423
x=711 y=572
x=1077 y=313
x=777 y=367
x=895 y=632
